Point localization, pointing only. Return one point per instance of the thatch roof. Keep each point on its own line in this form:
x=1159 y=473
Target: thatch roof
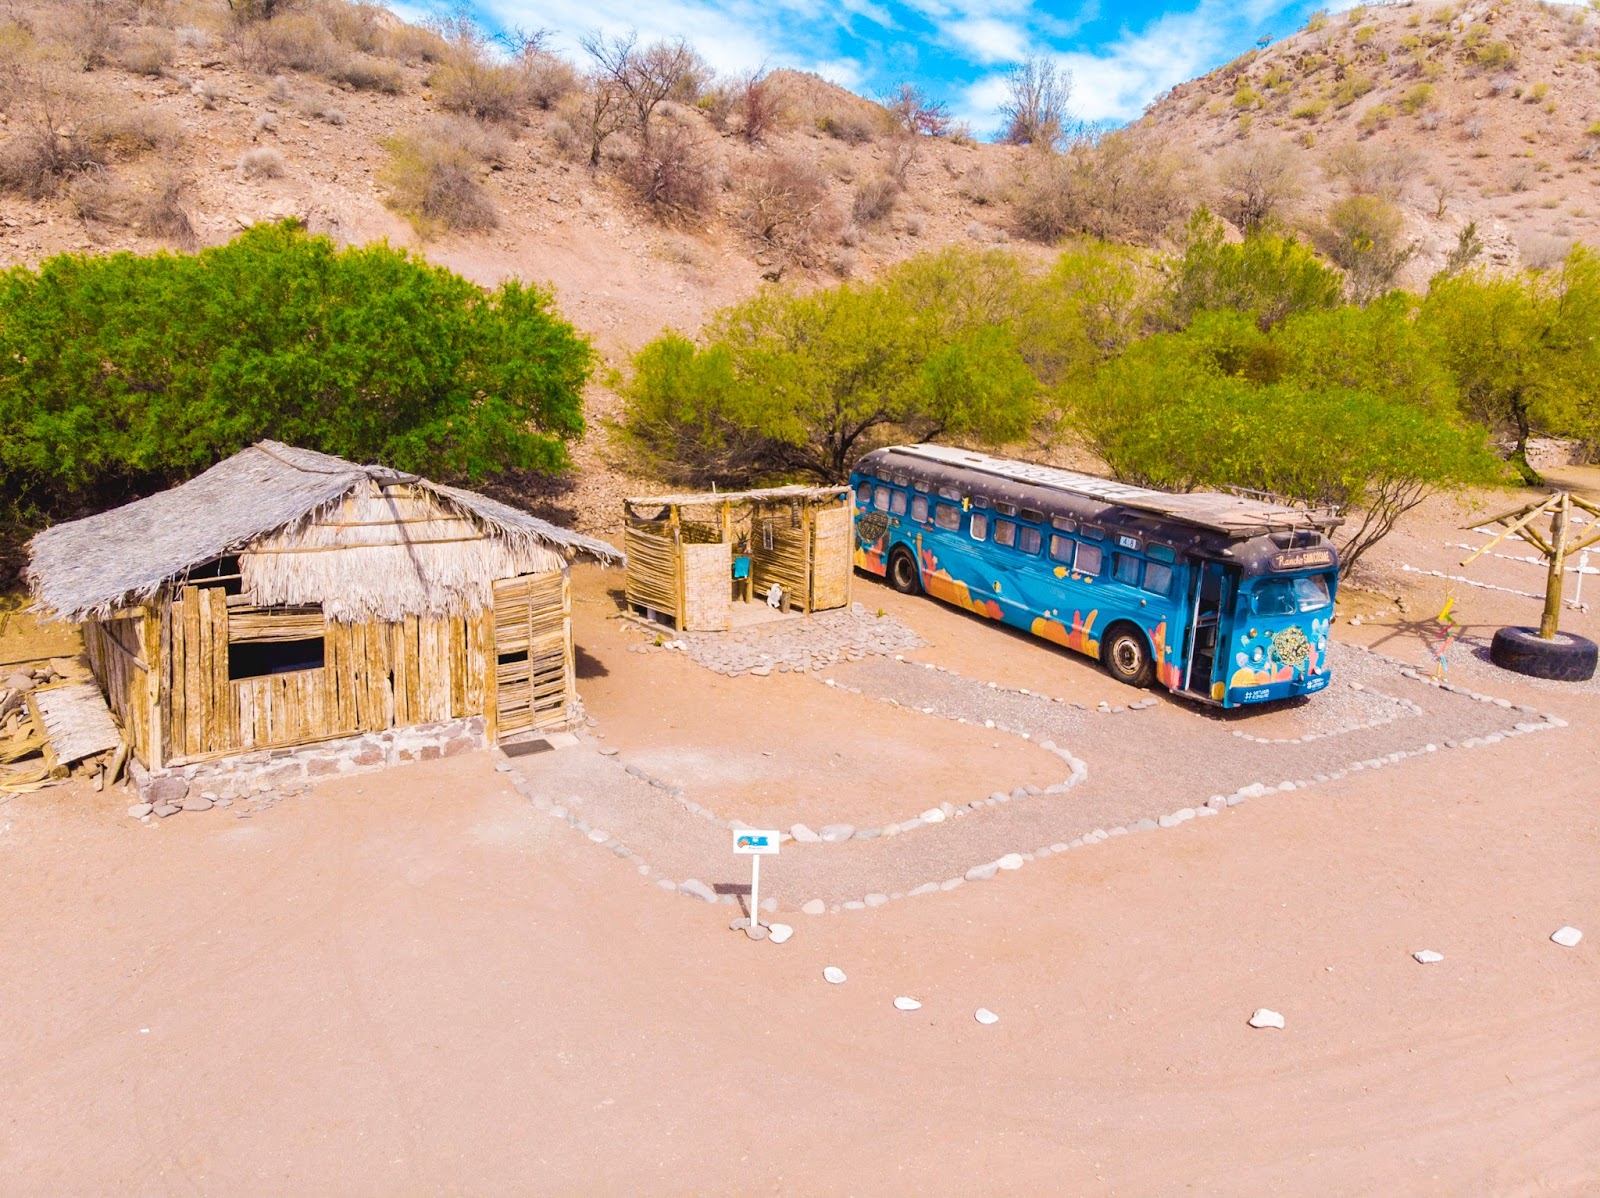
x=93 y=566
x=794 y=493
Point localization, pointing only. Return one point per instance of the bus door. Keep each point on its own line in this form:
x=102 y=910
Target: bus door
x=1212 y=586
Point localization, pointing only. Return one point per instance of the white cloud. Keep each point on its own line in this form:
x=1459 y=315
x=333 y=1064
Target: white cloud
x=989 y=40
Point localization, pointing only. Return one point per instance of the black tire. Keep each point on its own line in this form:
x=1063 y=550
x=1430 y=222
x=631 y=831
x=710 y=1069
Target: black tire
x=1125 y=653
x=1565 y=658
x=903 y=572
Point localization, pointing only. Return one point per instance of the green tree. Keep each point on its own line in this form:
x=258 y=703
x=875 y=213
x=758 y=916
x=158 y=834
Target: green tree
x=1364 y=235
x=1524 y=349
x=787 y=385
x=1268 y=275
x=121 y=375
x=1227 y=405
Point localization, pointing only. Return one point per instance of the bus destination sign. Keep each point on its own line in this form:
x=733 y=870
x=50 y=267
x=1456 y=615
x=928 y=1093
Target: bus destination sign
x=1302 y=559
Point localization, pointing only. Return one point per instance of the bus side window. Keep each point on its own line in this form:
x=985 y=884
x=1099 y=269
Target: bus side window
x=1088 y=561
x=1028 y=540
x=919 y=508
x=897 y=502
x=947 y=516
x=864 y=495
x=1005 y=533
x=880 y=498
x=1061 y=550
x=1158 y=579
x=978 y=530
x=1125 y=569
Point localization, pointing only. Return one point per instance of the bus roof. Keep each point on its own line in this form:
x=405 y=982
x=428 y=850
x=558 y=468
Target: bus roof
x=1231 y=515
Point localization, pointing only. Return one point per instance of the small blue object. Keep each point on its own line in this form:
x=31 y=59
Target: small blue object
x=741 y=567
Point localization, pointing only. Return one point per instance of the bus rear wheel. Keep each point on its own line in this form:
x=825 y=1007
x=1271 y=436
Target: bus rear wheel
x=1126 y=655
x=903 y=572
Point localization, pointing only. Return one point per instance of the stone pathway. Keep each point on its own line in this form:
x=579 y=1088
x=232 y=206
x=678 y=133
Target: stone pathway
x=1128 y=769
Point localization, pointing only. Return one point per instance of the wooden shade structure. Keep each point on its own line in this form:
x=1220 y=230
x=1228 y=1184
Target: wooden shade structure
x=285 y=597
x=680 y=550
x=1554 y=544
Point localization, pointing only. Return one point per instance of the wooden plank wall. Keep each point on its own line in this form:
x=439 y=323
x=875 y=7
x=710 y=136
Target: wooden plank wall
x=116 y=652
x=707 y=587
x=374 y=676
x=832 y=533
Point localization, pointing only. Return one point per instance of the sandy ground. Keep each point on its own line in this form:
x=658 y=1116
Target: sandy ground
x=416 y=983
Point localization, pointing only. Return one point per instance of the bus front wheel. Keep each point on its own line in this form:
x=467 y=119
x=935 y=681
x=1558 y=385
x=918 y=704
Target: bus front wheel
x=903 y=572
x=1126 y=655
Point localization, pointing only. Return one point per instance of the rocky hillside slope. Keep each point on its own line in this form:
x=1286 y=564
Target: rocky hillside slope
x=1487 y=112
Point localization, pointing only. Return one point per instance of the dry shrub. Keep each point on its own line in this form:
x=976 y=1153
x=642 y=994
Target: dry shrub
x=139 y=131
x=1370 y=170
x=470 y=82
x=1541 y=251
x=432 y=176
x=99 y=199
x=263 y=163
x=147 y=52
x=785 y=205
x=192 y=38
x=367 y=74
x=160 y=211
x=410 y=43
x=1125 y=186
x=547 y=79
x=761 y=106
x=672 y=175
x=296 y=41
x=874 y=200
x=88 y=32
x=35 y=163
x=852 y=128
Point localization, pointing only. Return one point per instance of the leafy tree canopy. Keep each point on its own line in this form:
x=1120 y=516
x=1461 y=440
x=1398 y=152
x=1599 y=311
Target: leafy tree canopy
x=788 y=384
x=120 y=375
x=1269 y=275
x=1524 y=349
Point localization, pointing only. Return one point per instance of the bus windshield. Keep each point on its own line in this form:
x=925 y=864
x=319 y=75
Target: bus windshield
x=1286 y=596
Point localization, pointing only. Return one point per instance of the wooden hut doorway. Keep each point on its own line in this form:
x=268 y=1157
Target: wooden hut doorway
x=533 y=653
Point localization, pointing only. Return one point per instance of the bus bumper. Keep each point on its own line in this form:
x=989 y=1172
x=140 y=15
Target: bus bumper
x=1240 y=695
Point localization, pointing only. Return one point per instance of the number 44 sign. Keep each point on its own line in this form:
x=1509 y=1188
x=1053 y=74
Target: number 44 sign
x=755 y=843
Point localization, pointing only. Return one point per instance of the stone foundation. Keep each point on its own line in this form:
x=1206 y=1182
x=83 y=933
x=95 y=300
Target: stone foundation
x=276 y=769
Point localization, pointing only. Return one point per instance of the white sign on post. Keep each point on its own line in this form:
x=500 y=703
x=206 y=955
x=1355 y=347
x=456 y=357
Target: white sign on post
x=755 y=843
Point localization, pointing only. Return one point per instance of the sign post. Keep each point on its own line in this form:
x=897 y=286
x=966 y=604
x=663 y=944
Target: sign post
x=755 y=843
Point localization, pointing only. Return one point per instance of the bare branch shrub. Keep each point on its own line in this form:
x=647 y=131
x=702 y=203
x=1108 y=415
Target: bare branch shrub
x=36 y=162
x=365 y=73
x=295 y=41
x=1130 y=185
x=785 y=205
x=1363 y=235
x=672 y=175
x=432 y=176
x=1257 y=182
x=139 y=131
x=852 y=128
x=1541 y=251
x=760 y=106
x=914 y=113
x=263 y=163
x=1035 y=108
x=645 y=77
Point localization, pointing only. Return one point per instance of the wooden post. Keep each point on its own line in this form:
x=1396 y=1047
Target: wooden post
x=1551 y=620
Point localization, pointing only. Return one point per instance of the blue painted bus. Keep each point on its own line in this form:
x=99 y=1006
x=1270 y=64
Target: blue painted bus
x=1221 y=598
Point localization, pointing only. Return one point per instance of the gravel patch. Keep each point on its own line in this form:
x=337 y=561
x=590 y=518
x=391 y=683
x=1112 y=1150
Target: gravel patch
x=816 y=642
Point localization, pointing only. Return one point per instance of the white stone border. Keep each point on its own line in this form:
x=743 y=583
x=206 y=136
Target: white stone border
x=1008 y=862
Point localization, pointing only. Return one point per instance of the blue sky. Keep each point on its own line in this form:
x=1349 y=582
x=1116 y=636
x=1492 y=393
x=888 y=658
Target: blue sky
x=1121 y=55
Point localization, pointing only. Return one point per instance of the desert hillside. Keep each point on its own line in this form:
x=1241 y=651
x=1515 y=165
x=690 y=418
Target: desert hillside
x=1487 y=112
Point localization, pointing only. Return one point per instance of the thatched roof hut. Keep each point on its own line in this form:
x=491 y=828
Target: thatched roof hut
x=286 y=596
x=266 y=500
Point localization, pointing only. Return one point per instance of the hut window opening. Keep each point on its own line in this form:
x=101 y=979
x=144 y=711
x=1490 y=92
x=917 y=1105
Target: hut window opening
x=510 y=659
x=261 y=659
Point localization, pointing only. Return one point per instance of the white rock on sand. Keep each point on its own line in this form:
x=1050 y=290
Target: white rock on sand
x=907 y=1004
x=779 y=932
x=1427 y=956
x=814 y=907
x=1567 y=937
x=985 y=1016
x=833 y=974
x=1266 y=1018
